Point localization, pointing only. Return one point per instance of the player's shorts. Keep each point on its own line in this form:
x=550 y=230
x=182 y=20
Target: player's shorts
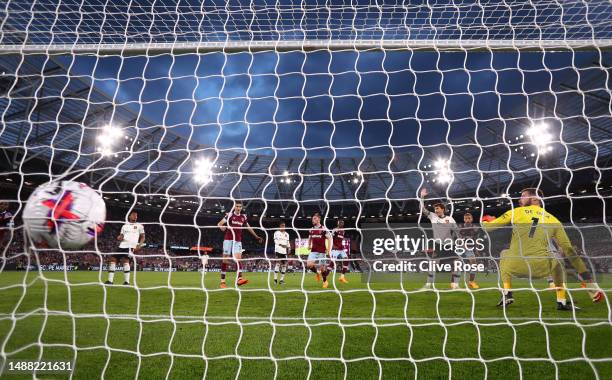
x=444 y=256
x=338 y=255
x=318 y=258
x=468 y=254
x=232 y=247
x=123 y=253
x=280 y=255
x=530 y=267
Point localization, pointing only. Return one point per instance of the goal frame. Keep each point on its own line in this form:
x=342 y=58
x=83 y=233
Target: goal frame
x=282 y=45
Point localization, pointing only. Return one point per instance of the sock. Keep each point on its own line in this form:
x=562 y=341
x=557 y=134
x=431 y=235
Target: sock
x=223 y=271
x=561 y=295
x=507 y=292
x=585 y=277
x=455 y=278
x=472 y=276
x=126 y=272
x=344 y=268
x=276 y=270
x=431 y=276
x=283 y=270
x=550 y=280
x=111 y=271
x=238 y=271
x=313 y=269
x=325 y=273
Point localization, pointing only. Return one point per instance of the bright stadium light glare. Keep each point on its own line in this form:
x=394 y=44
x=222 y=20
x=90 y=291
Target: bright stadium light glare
x=111 y=132
x=203 y=171
x=444 y=177
x=107 y=138
x=540 y=137
x=443 y=173
x=439 y=164
x=356 y=177
x=286 y=178
x=107 y=151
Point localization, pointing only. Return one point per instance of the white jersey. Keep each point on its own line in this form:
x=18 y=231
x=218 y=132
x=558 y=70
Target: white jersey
x=131 y=235
x=442 y=227
x=281 y=240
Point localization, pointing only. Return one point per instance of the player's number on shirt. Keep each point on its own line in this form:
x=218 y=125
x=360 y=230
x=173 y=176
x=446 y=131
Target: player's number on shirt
x=533 y=226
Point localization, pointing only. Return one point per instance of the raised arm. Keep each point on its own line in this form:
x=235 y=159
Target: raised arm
x=424 y=210
x=490 y=223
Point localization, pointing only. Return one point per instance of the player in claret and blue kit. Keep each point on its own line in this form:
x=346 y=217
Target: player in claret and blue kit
x=232 y=241
x=338 y=255
x=320 y=243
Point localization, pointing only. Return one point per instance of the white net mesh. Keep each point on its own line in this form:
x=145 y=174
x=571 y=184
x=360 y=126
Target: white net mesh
x=177 y=110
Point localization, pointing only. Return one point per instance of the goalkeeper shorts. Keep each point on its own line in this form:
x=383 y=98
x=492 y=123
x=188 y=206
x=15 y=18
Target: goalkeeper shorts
x=530 y=267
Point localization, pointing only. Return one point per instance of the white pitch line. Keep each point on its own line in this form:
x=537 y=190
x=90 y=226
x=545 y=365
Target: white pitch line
x=200 y=318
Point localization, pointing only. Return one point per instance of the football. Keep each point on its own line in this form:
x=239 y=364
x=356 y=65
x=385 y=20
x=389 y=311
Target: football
x=64 y=214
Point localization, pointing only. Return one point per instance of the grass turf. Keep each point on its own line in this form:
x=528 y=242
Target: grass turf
x=168 y=325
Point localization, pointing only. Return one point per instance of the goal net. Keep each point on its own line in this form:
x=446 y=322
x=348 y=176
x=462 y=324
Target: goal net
x=380 y=115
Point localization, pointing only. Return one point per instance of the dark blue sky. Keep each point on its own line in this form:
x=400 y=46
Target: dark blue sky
x=389 y=95
x=322 y=98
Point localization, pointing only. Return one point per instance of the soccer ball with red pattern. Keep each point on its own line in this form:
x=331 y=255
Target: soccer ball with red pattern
x=64 y=214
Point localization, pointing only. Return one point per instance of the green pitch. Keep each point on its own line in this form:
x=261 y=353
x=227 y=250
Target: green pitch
x=168 y=325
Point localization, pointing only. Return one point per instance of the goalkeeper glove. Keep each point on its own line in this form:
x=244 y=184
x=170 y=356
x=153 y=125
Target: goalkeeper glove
x=488 y=218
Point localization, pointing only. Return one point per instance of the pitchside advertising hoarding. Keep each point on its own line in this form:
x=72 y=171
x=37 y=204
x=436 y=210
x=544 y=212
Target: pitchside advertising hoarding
x=301 y=246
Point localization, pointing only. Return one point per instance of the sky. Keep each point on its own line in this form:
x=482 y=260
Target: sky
x=327 y=98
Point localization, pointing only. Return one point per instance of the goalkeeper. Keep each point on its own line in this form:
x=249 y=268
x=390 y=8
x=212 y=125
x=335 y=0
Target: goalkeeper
x=528 y=255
